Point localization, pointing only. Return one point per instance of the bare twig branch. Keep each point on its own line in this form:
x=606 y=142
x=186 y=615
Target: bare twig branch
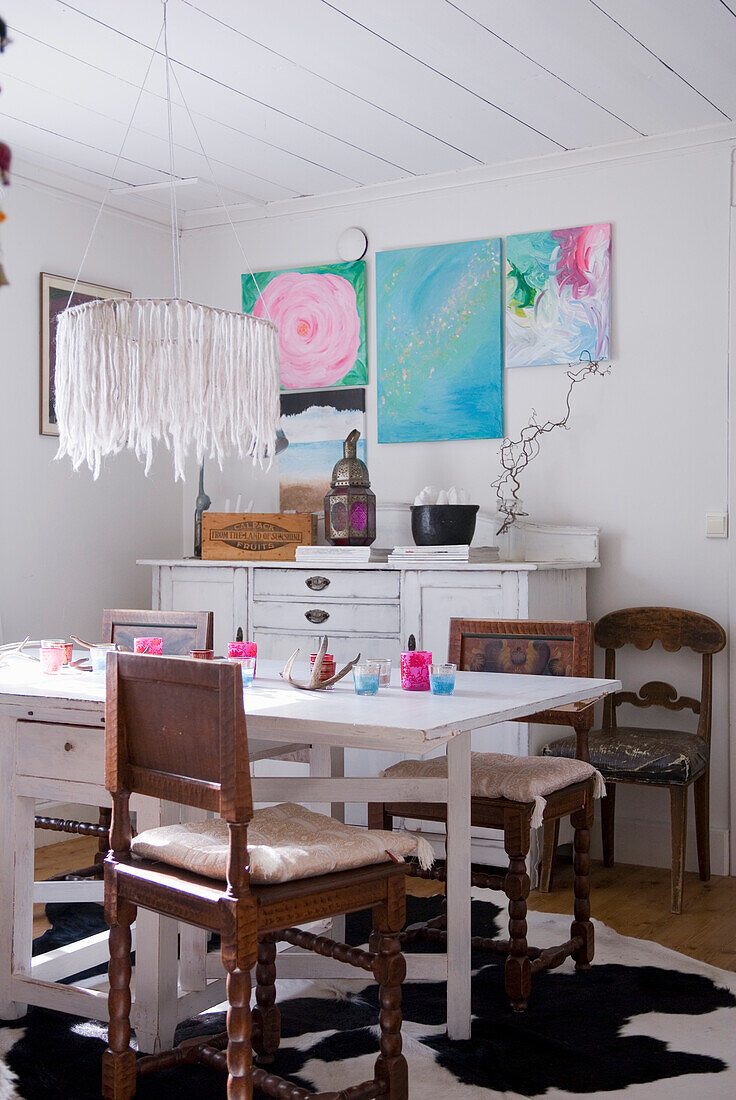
x=516 y=454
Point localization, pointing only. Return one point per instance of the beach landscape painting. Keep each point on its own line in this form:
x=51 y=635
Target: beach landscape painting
x=439 y=342
x=316 y=425
x=320 y=313
x=558 y=296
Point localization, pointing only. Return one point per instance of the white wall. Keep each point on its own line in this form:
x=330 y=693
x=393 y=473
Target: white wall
x=69 y=544
x=647 y=452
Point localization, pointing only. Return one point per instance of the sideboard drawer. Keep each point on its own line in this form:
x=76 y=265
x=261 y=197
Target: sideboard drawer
x=61 y=752
x=278 y=646
x=322 y=617
x=341 y=584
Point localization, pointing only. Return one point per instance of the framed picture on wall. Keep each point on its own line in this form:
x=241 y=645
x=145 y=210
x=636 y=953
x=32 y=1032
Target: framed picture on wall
x=55 y=291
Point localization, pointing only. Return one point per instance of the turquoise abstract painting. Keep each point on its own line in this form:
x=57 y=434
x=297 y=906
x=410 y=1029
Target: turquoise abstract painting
x=439 y=343
x=558 y=296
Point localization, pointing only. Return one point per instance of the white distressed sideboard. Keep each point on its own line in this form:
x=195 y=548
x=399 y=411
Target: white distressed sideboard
x=373 y=609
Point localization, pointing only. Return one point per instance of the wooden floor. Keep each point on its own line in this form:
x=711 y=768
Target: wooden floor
x=632 y=900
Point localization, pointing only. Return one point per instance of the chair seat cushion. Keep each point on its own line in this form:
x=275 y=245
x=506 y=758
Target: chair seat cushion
x=285 y=842
x=640 y=755
x=499 y=775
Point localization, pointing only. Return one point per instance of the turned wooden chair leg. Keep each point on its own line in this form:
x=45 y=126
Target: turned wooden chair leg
x=582 y=926
x=551 y=836
x=678 y=815
x=239 y=1052
x=389 y=970
x=103 y=844
x=517 y=972
x=608 y=818
x=701 y=790
x=266 y=1016
x=118 y=1061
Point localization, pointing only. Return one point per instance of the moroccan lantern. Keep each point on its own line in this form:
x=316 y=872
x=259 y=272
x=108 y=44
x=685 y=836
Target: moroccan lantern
x=350 y=505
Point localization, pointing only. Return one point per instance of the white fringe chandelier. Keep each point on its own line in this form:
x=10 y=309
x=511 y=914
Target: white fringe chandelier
x=134 y=372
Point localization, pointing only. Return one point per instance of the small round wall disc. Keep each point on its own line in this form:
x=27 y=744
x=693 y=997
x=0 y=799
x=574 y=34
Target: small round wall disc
x=352 y=244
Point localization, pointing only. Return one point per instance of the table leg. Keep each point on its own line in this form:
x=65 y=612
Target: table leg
x=157 y=941
x=192 y=940
x=11 y=868
x=320 y=766
x=337 y=809
x=325 y=762
x=458 y=887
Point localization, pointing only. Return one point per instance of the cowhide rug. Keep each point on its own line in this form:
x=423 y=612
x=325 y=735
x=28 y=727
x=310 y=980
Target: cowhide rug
x=644 y=1023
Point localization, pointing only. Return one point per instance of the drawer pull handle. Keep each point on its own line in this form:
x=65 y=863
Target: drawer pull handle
x=317 y=583
x=68 y=746
x=317 y=615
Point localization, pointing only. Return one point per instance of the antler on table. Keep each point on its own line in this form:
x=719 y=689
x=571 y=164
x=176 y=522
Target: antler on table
x=315 y=683
x=15 y=649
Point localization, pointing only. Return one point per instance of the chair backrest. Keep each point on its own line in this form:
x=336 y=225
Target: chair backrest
x=675 y=629
x=180 y=630
x=531 y=647
x=175 y=729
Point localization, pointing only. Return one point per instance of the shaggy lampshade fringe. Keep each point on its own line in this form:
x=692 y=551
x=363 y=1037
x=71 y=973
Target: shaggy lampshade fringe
x=135 y=372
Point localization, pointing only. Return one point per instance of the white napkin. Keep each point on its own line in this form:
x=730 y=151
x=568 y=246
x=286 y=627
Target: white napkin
x=430 y=494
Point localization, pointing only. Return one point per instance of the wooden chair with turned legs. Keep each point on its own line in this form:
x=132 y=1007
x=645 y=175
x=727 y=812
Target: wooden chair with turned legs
x=517 y=794
x=653 y=756
x=180 y=631
x=176 y=730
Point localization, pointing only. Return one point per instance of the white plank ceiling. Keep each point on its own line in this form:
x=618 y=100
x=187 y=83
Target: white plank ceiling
x=305 y=97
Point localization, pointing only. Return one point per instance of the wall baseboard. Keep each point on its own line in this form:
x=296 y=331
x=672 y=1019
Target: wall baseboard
x=647 y=843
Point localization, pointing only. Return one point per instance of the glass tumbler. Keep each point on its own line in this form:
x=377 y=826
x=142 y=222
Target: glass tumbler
x=415 y=670
x=366 y=678
x=442 y=679
x=52 y=655
x=98 y=656
x=384 y=665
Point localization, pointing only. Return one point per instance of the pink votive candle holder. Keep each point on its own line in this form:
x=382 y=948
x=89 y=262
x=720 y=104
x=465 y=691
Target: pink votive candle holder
x=52 y=655
x=415 y=670
x=238 y=651
x=153 y=647
x=202 y=654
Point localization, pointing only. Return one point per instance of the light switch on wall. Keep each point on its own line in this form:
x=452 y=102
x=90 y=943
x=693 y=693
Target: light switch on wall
x=716 y=525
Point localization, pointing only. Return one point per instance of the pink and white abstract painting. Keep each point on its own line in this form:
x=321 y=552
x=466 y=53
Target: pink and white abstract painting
x=558 y=296
x=320 y=313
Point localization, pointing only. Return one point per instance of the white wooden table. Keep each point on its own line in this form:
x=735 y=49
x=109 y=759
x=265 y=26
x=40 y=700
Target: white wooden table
x=52 y=748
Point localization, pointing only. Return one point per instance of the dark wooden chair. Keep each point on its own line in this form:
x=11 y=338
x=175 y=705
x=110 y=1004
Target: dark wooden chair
x=656 y=757
x=534 y=647
x=522 y=647
x=176 y=730
x=181 y=631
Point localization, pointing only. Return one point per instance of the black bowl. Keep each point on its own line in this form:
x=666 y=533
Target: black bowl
x=443 y=524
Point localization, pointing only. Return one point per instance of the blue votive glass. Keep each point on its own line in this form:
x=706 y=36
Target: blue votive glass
x=366 y=678
x=442 y=679
x=247 y=669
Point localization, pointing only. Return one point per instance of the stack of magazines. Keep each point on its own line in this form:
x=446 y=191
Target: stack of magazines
x=443 y=555
x=340 y=555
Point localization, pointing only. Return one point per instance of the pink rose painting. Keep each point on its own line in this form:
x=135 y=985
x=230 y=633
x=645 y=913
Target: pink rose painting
x=320 y=313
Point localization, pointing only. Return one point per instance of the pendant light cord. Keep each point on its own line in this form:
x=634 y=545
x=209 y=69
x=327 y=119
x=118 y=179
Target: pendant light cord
x=175 y=249
x=220 y=196
x=175 y=244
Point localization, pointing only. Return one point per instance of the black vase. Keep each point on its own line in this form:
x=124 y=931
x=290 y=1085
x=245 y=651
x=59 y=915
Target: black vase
x=443 y=524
